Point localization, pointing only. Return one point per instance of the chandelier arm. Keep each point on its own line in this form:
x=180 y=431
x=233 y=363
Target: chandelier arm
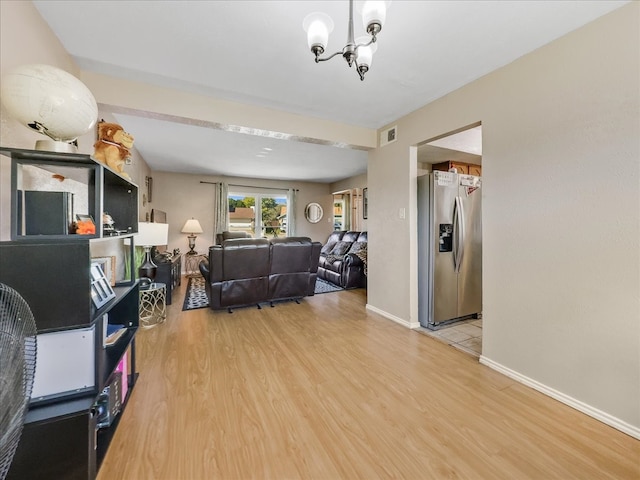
x=373 y=40
x=318 y=59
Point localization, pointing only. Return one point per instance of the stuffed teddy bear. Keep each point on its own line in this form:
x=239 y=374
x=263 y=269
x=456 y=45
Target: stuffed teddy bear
x=112 y=147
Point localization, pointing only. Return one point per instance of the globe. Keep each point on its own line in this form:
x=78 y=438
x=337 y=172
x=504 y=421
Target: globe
x=49 y=100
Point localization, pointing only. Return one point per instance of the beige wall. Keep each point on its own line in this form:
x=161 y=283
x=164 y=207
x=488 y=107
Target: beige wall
x=560 y=216
x=182 y=196
x=359 y=181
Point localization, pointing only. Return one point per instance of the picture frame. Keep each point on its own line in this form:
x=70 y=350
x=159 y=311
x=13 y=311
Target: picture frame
x=365 y=203
x=108 y=265
x=101 y=291
x=149 y=183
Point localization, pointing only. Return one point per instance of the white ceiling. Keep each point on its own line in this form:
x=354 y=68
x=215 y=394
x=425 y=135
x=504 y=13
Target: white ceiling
x=255 y=52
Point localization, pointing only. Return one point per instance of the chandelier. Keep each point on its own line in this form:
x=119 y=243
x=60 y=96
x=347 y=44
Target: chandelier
x=358 y=52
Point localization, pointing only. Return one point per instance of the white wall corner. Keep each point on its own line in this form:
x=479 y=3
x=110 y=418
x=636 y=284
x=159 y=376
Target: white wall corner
x=604 y=417
x=393 y=318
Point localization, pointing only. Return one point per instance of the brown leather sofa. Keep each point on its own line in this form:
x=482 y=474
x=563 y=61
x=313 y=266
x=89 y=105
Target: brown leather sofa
x=343 y=259
x=252 y=271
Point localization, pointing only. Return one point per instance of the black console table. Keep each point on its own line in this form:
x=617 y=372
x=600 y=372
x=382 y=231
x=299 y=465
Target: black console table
x=169 y=272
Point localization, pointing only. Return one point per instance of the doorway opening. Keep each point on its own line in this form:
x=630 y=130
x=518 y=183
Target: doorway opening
x=458 y=152
x=347 y=209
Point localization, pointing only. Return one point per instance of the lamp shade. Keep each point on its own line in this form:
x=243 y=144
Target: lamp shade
x=318 y=26
x=192 y=226
x=365 y=54
x=373 y=11
x=152 y=234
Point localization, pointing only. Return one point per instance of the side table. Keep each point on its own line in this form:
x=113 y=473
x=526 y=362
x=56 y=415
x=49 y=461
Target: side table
x=191 y=264
x=153 y=309
x=169 y=272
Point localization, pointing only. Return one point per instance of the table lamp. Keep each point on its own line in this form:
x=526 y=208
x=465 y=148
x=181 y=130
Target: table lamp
x=150 y=235
x=192 y=226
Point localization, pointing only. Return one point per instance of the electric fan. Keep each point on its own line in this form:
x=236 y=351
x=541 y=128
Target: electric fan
x=18 y=346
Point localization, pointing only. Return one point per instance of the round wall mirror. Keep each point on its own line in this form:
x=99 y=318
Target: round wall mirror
x=313 y=212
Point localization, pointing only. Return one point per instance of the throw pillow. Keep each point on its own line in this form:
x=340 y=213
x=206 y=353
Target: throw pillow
x=341 y=248
x=327 y=248
x=358 y=247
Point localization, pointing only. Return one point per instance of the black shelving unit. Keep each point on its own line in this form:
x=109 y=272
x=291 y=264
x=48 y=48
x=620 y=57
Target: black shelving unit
x=52 y=273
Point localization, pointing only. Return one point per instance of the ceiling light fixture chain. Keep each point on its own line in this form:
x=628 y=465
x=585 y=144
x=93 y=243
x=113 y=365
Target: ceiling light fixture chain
x=358 y=52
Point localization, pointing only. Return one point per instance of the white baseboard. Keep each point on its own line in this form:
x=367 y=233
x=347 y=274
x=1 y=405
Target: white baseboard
x=393 y=318
x=566 y=399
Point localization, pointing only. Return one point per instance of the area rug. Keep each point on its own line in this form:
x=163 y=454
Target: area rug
x=322 y=286
x=196 y=296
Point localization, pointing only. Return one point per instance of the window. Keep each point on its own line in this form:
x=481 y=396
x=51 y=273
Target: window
x=270 y=221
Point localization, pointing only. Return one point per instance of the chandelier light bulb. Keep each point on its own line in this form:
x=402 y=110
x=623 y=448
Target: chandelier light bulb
x=365 y=53
x=374 y=14
x=318 y=26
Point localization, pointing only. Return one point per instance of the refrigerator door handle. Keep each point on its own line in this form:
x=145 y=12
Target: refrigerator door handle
x=461 y=233
x=456 y=237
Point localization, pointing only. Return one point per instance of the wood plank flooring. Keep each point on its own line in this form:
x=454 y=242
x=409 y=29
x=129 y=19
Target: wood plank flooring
x=327 y=390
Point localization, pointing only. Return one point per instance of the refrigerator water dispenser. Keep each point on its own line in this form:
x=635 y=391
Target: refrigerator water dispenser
x=445 y=238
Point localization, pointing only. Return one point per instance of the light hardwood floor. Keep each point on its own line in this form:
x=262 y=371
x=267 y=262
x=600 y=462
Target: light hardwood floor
x=327 y=390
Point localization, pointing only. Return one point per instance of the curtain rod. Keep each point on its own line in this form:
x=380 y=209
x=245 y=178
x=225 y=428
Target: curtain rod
x=250 y=186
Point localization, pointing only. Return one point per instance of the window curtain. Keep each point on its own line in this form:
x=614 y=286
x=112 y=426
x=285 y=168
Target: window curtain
x=291 y=212
x=221 y=209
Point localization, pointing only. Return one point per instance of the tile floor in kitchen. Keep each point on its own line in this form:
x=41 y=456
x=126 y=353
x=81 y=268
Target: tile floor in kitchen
x=465 y=335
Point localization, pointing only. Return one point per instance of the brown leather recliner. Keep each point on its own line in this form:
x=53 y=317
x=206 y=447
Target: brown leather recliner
x=294 y=266
x=238 y=273
x=252 y=271
x=226 y=235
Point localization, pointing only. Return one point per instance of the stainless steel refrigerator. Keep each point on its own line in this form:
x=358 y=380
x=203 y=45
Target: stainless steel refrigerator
x=449 y=247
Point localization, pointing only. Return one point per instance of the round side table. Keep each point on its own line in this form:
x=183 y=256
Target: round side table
x=153 y=309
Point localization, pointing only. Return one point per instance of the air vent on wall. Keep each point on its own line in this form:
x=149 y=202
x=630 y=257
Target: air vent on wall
x=389 y=135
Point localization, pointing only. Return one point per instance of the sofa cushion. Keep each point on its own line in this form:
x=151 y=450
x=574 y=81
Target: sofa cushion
x=335 y=236
x=340 y=248
x=326 y=249
x=350 y=236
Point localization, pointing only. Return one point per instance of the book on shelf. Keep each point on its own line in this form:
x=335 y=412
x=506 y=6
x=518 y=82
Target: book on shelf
x=114 y=332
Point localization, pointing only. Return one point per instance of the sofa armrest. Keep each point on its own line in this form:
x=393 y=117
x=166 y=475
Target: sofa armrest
x=215 y=263
x=204 y=269
x=352 y=260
